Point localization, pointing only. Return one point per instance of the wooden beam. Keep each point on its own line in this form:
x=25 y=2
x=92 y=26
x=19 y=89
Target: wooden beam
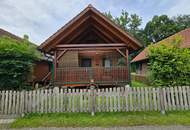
x=55 y=65
x=124 y=55
x=97 y=48
x=60 y=55
x=91 y=45
x=128 y=66
x=115 y=32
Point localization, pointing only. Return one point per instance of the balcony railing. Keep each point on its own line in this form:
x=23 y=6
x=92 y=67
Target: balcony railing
x=100 y=75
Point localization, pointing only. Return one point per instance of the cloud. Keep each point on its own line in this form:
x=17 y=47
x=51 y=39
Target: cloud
x=41 y=18
x=180 y=7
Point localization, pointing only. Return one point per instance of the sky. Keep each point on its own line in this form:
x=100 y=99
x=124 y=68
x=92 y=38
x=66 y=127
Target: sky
x=39 y=19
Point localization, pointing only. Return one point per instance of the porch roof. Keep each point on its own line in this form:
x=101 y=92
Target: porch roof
x=90 y=23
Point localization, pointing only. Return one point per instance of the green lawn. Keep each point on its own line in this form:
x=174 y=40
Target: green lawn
x=138 y=84
x=102 y=119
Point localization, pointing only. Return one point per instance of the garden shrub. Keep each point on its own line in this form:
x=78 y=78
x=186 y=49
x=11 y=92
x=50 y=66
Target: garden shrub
x=16 y=60
x=169 y=64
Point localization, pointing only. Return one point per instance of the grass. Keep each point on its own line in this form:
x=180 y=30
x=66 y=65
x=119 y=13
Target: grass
x=138 y=84
x=102 y=119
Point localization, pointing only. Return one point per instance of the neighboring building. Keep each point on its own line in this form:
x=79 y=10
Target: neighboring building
x=141 y=60
x=90 y=49
x=41 y=69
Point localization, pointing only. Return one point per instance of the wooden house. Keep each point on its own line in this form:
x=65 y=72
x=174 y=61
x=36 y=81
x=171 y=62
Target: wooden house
x=90 y=49
x=141 y=60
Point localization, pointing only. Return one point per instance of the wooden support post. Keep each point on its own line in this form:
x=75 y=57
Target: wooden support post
x=55 y=65
x=128 y=66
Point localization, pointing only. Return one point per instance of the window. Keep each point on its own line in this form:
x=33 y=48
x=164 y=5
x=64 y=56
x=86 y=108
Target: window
x=107 y=62
x=86 y=62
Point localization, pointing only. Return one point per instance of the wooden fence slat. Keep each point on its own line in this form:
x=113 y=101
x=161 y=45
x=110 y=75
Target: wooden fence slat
x=73 y=99
x=177 y=98
x=131 y=99
x=146 y=99
x=165 y=99
x=154 y=99
x=188 y=95
x=3 y=102
x=10 y=102
x=168 y=98
x=127 y=99
x=181 y=97
x=115 y=99
x=118 y=99
x=158 y=98
x=6 y=102
x=14 y=103
x=134 y=99
x=111 y=99
x=143 y=100
x=46 y=101
x=107 y=100
x=185 y=97
x=139 y=99
x=172 y=98
x=17 y=102
x=150 y=98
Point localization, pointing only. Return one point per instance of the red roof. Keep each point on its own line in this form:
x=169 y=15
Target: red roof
x=185 y=44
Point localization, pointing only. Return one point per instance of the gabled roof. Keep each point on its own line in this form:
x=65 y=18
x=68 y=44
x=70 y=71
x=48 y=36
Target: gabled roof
x=11 y=35
x=90 y=19
x=185 y=34
x=6 y=33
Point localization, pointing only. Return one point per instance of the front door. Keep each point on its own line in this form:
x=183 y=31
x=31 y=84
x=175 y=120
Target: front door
x=86 y=62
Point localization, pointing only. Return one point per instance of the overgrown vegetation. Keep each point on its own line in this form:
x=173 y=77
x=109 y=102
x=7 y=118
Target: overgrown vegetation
x=102 y=119
x=169 y=64
x=16 y=62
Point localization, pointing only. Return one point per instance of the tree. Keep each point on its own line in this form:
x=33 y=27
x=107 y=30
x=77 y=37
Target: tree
x=182 y=21
x=159 y=28
x=130 y=23
x=169 y=64
x=16 y=62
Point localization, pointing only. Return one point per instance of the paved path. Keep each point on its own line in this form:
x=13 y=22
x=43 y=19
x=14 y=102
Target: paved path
x=117 y=128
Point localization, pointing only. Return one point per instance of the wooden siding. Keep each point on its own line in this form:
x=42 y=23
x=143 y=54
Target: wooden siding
x=40 y=70
x=69 y=59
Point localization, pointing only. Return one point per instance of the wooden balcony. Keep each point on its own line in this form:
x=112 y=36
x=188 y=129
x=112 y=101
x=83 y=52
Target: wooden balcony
x=100 y=75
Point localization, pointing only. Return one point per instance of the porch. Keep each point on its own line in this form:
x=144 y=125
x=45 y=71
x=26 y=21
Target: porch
x=77 y=76
x=82 y=64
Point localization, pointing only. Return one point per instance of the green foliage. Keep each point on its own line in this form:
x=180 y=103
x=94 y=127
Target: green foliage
x=121 y=62
x=163 y=26
x=16 y=62
x=169 y=65
x=130 y=23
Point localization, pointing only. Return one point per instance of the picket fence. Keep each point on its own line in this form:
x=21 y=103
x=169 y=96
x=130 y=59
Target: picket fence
x=94 y=100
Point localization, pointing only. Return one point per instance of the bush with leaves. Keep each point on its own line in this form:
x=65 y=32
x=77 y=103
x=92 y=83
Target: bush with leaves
x=16 y=60
x=169 y=64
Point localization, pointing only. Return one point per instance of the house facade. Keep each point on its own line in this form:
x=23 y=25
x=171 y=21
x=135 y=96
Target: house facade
x=90 y=49
x=141 y=60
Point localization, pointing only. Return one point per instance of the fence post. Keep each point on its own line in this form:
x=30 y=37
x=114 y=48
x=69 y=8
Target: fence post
x=162 y=101
x=93 y=98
